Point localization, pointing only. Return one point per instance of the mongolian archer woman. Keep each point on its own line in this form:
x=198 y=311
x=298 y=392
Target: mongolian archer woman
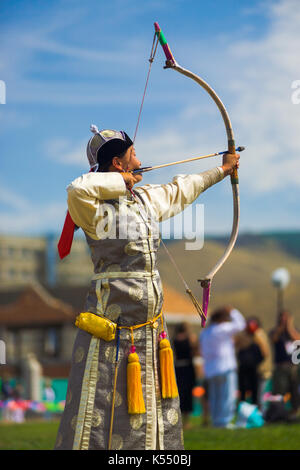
x=122 y=392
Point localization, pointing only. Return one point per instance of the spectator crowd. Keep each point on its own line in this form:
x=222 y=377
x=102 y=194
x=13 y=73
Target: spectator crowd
x=241 y=362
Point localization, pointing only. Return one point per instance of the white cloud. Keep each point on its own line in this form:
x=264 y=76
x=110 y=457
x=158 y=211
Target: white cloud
x=13 y=200
x=258 y=95
x=19 y=215
x=267 y=121
x=66 y=152
x=94 y=55
x=254 y=77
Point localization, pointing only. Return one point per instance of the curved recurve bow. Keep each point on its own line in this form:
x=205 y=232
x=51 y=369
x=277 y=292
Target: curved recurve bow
x=172 y=64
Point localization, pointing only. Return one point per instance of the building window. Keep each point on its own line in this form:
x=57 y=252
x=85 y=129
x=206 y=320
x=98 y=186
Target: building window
x=11 y=251
x=13 y=341
x=27 y=275
x=12 y=273
x=51 y=342
x=26 y=253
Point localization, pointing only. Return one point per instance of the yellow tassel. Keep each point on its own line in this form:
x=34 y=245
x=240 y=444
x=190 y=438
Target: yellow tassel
x=135 y=397
x=167 y=372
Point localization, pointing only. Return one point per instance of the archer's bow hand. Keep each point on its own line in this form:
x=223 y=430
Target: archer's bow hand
x=230 y=162
x=131 y=179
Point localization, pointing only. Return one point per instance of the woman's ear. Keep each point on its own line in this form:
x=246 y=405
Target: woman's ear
x=116 y=164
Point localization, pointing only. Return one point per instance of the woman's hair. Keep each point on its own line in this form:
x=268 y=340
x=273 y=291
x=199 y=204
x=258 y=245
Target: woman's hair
x=220 y=315
x=181 y=328
x=115 y=147
x=254 y=320
x=105 y=166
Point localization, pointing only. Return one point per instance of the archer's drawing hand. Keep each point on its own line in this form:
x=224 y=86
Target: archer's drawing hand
x=230 y=162
x=131 y=179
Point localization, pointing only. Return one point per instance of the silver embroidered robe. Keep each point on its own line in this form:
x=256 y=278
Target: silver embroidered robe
x=126 y=284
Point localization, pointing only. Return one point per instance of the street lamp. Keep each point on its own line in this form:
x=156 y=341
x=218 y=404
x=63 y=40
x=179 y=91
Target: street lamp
x=280 y=279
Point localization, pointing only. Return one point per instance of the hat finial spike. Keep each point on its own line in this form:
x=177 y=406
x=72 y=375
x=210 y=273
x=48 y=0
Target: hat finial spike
x=94 y=129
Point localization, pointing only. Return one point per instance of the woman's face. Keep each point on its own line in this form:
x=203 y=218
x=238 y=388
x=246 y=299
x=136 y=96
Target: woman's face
x=130 y=160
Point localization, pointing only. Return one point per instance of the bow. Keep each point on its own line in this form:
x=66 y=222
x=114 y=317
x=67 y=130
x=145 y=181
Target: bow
x=172 y=64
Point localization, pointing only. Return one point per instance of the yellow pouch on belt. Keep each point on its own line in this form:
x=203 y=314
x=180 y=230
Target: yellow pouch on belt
x=100 y=327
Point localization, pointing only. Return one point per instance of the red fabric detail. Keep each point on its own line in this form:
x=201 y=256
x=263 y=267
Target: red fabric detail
x=65 y=242
x=66 y=238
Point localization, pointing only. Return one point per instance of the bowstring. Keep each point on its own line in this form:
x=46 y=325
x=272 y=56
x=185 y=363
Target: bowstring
x=194 y=300
x=151 y=59
x=187 y=289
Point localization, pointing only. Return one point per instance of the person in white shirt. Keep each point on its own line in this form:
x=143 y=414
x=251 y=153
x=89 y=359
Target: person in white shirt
x=220 y=364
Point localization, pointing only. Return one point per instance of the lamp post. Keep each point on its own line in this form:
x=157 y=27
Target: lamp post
x=280 y=279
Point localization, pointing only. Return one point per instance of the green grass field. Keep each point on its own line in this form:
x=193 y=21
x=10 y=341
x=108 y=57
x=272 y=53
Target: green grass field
x=268 y=437
x=37 y=435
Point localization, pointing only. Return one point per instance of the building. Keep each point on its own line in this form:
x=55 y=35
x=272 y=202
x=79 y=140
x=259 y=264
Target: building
x=32 y=321
x=22 y=260
x=35 y=259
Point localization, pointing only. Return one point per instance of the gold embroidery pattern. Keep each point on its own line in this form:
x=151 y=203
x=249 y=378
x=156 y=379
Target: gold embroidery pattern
x=113 y=312
x=108 y=133
x=96 y=419
x=118 y=398
x=137 y=335
x=136 y=421
x=102 y=292
x=110 y=354
x=116 y=442
x=131 y=249
x=113 y=268
x=136 y=294
x=172 y=416
x=102 y=374
x=79 y=354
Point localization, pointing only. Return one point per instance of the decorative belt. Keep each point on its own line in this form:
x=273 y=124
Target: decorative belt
x=125 y=274
x=105 y=329
x=152 y=322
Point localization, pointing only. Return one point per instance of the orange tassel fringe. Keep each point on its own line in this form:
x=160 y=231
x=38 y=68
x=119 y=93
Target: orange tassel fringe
x=168 y=379
x=135 y=399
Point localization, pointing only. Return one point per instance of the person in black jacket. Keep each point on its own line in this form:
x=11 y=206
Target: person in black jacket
x=286 y=374
x=249 y=356
x=185 y=348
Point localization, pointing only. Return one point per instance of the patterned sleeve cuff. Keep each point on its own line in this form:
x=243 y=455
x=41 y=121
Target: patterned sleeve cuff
x=211 y=177
x=221 y=171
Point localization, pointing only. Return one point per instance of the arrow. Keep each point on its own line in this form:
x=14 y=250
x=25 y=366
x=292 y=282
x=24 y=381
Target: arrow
x=156 y=167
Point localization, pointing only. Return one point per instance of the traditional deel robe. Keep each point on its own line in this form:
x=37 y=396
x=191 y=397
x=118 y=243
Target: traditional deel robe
x=126 y=285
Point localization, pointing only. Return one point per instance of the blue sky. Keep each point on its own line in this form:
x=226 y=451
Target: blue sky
x=67 y=64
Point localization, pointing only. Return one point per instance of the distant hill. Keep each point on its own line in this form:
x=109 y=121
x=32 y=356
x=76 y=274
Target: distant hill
x=245 y=279
x=286 y=241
